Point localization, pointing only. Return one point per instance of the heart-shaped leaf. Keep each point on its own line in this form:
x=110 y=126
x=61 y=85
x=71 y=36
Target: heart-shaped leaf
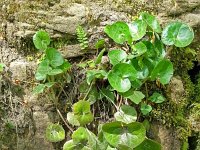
x=54 y=72
x=178 y=34
x=80 y=135
x=118 y=133
x=163 y=71
x=121 y=75
x=145 y=108
x=148 y=144
x=71 y=118
x=69 y=145
x=119 y=32
x=39 y=89
x=82 y=112
x=55 y=133
x=151 y=21
x=137 y=29
x=157 y=98
x=134 y=96
x=42 y=70
x=126 y=114
x=93 y=74
x=117 y=56
x=138 y=49
x=65 y=66
x=55 y=58
x=41 y=40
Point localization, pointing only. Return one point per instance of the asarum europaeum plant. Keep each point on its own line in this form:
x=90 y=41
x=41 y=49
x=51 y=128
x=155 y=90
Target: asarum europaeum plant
x=139 y=58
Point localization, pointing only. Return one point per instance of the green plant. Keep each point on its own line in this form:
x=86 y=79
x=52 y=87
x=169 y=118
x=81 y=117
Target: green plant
x=128 y=74
x=82 y=37
x=1 y=69
x=123 y=81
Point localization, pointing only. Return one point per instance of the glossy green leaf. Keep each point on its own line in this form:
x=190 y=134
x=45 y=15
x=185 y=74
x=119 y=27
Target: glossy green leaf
x=100 y=44
x=126 y=114
x=55 y=133
x=65 y=66
x=151 y=21
x=159 y=46
x=41 y=40
x=119 y=32
x=69 y=145
x=130 y=135
x=82 y=112
x=39 y=76
x=71 y=118
x=134 y=96
x=93 y=74
x=151 y=52
x=163 y=71
x=117 y=56
x=138 y=49
x=80 y=135
x=157 y=98
x=121 y=75
x=145 y=109
x=54 y=72
x=178 y=34
x=108 y=94
x=55 y=58
x=148 y=144
x=99 y=57
x=137 y=29
x=39 y=89
x=43 y=69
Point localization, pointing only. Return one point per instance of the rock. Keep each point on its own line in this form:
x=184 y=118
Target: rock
x=177 y=90
x=18 y=70
x=39 y=141
x=166 y=137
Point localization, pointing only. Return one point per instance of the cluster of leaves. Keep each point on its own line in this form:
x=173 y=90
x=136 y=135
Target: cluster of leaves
x=82 y=37
x=52 y=63
x=140 y=60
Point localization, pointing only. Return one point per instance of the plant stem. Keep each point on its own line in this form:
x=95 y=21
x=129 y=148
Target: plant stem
x=61 y=116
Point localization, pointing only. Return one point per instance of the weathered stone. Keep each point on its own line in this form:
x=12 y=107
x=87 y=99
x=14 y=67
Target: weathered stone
x=18 y=70
x=167 y=137
x=177 y=90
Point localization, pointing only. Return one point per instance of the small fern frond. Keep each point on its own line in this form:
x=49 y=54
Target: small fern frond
x=82 y=37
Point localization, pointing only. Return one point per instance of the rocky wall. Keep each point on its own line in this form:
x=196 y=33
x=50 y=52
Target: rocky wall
x=28 y=115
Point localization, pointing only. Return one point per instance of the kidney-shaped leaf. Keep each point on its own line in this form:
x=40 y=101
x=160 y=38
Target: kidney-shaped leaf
x=42 y=70
x=80 y=135
x=134 y=96
x=178 y=34
x=54 y=57
x=117 y=56
x=82 y=112
x=145 y=108
x=157 y=98
x=137 y=29
x=71 y=118
x=119 y=32
x=69 y=145
x=151 y=21
x=138 y=49
x=130 y=135
x=121 y=75
x=163 y=71
x=41 y=40
x=126 y=114
x=55 y=133
x=148 y=144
